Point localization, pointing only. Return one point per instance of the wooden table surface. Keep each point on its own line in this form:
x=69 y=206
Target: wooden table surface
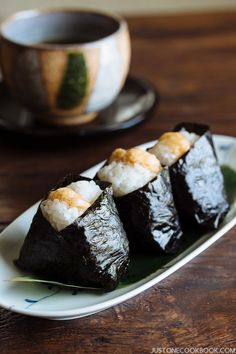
x=191 y=59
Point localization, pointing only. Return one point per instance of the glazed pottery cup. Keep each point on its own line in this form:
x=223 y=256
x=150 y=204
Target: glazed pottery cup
x=64 y=65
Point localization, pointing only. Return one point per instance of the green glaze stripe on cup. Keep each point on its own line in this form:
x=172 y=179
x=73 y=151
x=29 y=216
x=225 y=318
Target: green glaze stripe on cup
x=65 y=65
x=74 y=84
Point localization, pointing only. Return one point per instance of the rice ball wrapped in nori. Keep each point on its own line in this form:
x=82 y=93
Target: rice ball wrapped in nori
x=76 y=236
x=196 y=177
x=144 y=200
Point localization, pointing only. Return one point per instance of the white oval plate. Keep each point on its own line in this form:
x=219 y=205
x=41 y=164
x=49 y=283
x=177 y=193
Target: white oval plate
x=36 y=299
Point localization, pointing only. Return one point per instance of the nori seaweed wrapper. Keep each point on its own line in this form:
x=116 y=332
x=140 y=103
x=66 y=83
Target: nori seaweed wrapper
x=92 y=251
x=198 y=183
x=150 y=217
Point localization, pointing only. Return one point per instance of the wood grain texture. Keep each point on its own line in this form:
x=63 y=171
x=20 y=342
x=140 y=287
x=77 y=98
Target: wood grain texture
x=192 y=61
x=126 y=6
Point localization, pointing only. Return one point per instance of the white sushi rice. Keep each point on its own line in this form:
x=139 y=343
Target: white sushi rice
x=59 y=214
x=191 y=137
x=89 y=191
x=125 y=178
x=164 y=153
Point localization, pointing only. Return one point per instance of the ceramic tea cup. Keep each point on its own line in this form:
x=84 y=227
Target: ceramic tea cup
x=64 y=65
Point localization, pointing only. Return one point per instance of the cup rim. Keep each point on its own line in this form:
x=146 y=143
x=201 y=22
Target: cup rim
x=53 y=46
